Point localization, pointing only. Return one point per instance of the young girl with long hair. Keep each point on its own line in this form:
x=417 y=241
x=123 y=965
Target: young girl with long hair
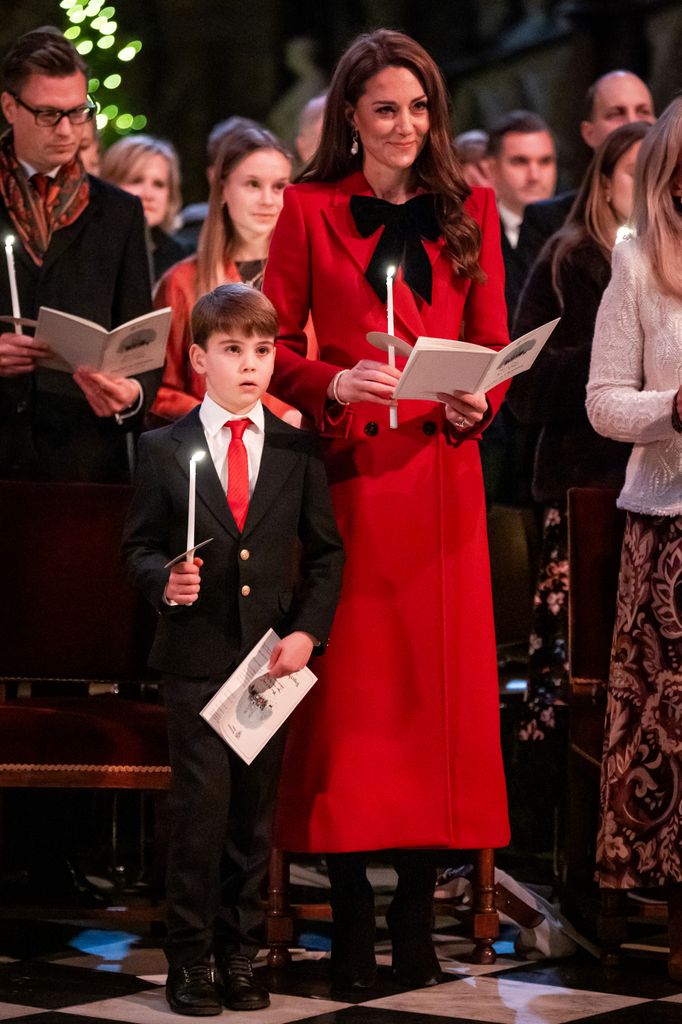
x=252 y=170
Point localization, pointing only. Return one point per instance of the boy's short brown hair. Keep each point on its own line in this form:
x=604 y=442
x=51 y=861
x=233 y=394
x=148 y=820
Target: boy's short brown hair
x=231 y=307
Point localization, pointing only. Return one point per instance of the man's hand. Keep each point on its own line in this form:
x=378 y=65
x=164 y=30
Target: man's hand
x=19 y=353
x=106 y=395
x=291 y=654
x=184 y=582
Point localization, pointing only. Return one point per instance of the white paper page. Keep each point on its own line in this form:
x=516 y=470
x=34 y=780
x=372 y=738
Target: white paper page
x=434 y=371
x=518 y=356
x=130 y=350
x=250 y=706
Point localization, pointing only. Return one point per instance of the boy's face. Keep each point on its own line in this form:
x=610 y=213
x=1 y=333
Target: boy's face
x=237 y=368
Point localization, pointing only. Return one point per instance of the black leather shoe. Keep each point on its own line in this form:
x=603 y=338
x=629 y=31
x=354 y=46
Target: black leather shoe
x=239 y=988
x=192 y=991
x=352 y=978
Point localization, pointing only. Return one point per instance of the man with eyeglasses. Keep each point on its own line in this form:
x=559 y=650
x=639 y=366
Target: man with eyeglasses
x=79 y=247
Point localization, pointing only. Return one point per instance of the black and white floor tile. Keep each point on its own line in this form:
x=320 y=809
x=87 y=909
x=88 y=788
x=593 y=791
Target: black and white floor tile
x=52 y=973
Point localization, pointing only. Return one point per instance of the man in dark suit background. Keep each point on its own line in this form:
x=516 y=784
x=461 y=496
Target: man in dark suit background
x=618 y=97
x=522 y=166
x=79 y=247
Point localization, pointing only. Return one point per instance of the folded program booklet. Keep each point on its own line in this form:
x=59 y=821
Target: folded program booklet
x=132 y=348
x=251 y=705
x=438 y=364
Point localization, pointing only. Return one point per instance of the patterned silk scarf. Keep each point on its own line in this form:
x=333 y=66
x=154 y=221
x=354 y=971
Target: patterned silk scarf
x=36 y=221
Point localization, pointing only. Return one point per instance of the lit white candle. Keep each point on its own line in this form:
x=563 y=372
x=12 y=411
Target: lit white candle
x=390 y=273
x=191 y=506
x=12 y=274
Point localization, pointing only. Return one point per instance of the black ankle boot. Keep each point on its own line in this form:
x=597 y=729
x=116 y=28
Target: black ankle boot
x=353 y=965
x=410 y=922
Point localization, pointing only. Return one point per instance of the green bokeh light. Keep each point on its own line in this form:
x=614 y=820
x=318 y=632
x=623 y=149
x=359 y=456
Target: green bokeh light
x=139 y=122
x=112 y=81
x=106 y=42
x=84 y=47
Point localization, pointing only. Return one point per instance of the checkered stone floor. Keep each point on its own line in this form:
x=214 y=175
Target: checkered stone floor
x=53 y=973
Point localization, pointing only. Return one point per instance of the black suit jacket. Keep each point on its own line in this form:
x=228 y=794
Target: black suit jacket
x=96 y=268
x=289 y=555
x=540 y=221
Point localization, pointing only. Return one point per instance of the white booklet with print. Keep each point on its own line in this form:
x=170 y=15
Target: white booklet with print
x=438 y=364
x=251 y=705
x=134 y=347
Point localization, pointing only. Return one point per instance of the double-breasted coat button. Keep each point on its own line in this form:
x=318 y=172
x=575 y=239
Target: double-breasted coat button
x=244 y=554
x=246 y=590
x=429 y=428
x=371 y=428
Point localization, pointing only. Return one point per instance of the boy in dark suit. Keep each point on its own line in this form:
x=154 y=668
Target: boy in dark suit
x=275 y=561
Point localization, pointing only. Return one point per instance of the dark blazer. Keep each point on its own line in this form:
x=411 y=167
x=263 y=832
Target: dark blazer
x=540 y=221
x=551 y=394
x=95 y=268
x=289 y=556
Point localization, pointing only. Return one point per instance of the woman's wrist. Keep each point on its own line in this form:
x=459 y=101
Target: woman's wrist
x=333 y=389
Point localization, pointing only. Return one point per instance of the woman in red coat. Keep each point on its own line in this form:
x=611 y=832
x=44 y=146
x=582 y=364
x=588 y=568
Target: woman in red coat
x=397 y=747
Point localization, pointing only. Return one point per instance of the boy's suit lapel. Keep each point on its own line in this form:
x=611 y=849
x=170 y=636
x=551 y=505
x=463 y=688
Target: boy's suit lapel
x=277 y=463
x=189 y=436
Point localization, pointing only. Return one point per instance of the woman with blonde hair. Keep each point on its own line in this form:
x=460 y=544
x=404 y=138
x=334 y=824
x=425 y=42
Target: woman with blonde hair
x=634 y=396
x=149 y=168
x=252 y=169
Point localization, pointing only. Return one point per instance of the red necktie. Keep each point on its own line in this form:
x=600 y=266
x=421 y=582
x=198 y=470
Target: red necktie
x=41 y=183
x=237 y=472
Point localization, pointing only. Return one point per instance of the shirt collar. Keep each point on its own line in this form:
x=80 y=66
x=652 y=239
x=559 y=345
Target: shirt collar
x=30 y=171
x=511 y=222
x=213 y=417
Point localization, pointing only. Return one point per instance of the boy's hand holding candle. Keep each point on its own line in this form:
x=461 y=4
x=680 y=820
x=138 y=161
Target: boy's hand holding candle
x=19 y=353
x=184 y=582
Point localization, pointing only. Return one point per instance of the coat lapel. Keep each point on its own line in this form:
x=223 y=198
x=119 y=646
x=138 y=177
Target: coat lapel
x=340 y=220
x=189 y=435
x=277 y=463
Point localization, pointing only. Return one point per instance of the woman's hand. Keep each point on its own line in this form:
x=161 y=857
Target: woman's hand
x=107 y=395
x=19 y=353
x=463 y=410
x=367 y=381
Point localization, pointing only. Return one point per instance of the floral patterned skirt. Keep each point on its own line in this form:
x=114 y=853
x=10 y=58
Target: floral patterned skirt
x=640 y=833
x=548 y=655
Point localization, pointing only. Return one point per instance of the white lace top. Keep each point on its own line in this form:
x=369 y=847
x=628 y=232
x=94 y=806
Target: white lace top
x=635 y=372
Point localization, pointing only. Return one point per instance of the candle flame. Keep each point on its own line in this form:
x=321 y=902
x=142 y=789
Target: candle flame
x=197 y=457
x=9 y=240
x=390 y=272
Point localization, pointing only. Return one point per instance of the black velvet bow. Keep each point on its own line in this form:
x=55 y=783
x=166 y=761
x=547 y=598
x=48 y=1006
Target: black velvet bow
x=405 y=224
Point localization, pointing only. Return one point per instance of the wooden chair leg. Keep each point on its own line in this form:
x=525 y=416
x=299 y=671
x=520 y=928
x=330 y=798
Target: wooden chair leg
x=486 y=922
x=675 y=932
x=280 y=919
x=612 y=925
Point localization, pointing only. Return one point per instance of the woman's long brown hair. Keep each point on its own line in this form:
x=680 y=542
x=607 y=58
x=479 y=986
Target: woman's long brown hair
x=436 y=169
x=591 y=216
x=217 y=239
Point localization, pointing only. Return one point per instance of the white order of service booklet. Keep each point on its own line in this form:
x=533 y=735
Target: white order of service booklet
x=251 y=705
x=438 y=364
x=134 y=347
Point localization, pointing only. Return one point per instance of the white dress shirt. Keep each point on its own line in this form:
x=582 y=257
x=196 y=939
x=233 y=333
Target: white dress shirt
x=511 y=223
x=213 y=419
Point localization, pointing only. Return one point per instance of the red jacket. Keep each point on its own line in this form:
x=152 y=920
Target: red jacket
x=398 y=743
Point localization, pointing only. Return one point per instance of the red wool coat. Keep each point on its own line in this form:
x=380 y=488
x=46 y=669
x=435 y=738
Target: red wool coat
x=397 y=745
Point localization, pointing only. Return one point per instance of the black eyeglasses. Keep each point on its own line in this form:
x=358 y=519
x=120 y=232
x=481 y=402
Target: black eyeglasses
x=47 y=117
